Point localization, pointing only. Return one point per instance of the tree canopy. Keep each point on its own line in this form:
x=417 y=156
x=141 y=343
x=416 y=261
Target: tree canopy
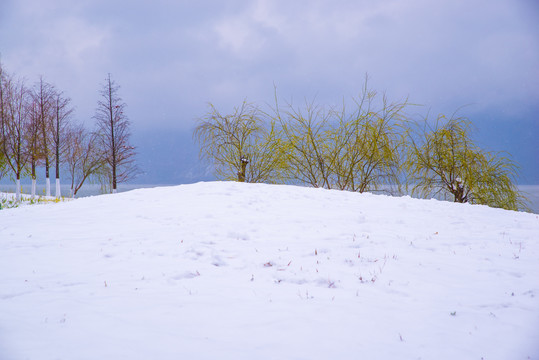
x=444 y=160
x=375 y=146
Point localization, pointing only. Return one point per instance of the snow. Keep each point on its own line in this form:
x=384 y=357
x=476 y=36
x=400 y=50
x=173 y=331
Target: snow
x=252 y=271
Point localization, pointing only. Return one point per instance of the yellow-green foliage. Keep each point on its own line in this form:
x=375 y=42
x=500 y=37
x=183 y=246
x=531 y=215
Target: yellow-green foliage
x=361 y=150
x=226 y=139
x=9 y=201
x=357 y=151
x=306 y=137
x=369 y=145
x=446 y=162
x=370 y=148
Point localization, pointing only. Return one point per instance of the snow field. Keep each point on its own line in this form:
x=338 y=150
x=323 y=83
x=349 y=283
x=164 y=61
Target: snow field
x=242 y=271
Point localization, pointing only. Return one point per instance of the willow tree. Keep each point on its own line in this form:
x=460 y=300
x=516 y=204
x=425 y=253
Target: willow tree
x=370 y=144
x=443 y=161
x=113 y=136
x=307 y=136
x=241 y=146
x=359 y=150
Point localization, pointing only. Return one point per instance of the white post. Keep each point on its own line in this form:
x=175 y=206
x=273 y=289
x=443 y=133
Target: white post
x=18 y=190
x=33 y=188
x=47 y=187
x=58 y=191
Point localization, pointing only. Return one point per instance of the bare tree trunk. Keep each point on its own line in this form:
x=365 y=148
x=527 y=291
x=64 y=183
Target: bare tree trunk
x=60 y=141
x=57 y=148
x=112 y=138
x=241 y=173
x=47 y=165
x=44 y=99
x=33 y=179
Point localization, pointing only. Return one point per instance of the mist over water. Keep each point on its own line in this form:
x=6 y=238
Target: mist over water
x=530 y=191
x=532 y=194
x=86 y=190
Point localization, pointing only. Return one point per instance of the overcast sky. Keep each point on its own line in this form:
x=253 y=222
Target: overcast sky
x=171 y=57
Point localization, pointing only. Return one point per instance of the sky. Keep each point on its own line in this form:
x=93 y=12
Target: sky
x=171 y=58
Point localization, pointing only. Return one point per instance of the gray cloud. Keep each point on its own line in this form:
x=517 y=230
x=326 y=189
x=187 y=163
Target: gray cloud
x=178 y=55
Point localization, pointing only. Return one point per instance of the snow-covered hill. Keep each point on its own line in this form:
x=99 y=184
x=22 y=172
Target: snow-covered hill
x=249 y=271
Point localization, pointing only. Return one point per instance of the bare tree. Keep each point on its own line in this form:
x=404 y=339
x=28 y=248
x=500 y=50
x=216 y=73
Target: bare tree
x=62 y=113
x=113 y=135
x=43 y=95
x=13 y=126
x=83 y=157
x=3 y=118
x=32 y=147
